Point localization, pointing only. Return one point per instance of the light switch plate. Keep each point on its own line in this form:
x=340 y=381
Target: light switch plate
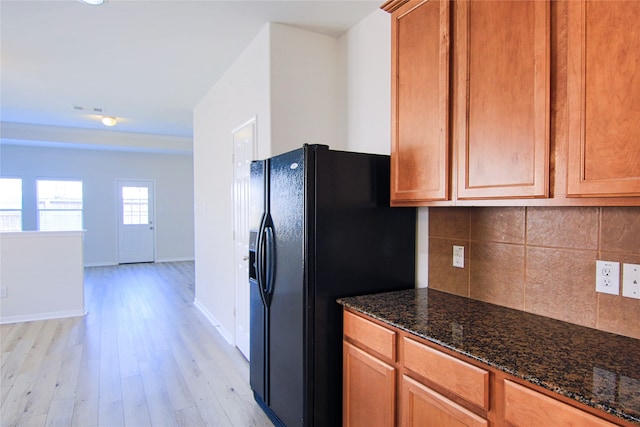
x=631 y=280
x=608 y=277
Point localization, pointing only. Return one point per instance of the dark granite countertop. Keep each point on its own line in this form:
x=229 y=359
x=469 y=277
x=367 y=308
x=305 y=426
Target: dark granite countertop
x=596 y=368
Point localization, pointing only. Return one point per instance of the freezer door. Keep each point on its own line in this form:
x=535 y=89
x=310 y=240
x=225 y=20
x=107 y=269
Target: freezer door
x=258 y=313
x=288 y=297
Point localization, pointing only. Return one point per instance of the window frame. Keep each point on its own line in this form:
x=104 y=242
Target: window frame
x=20 y=211
x=39 y=210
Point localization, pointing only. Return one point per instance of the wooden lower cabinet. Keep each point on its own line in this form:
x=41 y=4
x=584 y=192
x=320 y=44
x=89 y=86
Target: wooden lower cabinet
x=526 y=407
x=421 y=406
x=369 y=389
x=393 y=378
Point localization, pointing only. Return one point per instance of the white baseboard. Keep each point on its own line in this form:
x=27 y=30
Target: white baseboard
x=176 y=259
x=112 y=263
x=41 y=316
x=211 y=318
x=100 y=264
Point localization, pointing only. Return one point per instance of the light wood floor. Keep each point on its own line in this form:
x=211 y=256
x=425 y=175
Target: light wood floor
x=142 y=356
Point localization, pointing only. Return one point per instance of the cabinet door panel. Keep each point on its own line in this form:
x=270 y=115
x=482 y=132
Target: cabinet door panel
x=604 y=88
x=369 y=393
x=502 y=63
x=526 y=407
x=420 y=99
x=422 y=406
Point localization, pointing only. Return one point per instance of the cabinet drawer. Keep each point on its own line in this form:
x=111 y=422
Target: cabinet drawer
x=526 y=407
x=370 y=335
x=422 y=406
x=465 y=380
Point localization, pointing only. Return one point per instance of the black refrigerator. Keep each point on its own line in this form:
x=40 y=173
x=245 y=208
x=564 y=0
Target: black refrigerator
x=321 y=228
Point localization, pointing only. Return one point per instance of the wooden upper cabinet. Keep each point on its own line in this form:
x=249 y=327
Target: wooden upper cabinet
x=501 y=99
x=420 y=147
x=604 y=99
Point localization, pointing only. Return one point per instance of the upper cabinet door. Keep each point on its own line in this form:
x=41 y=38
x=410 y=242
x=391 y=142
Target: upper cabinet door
x=604 y=98
x=420 y=149
x=501 y=90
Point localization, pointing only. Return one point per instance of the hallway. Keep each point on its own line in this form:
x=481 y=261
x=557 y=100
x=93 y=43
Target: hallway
x=142 y=356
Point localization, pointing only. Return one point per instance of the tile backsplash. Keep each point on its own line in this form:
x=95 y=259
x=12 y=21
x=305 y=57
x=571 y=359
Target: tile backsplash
x=539 y=259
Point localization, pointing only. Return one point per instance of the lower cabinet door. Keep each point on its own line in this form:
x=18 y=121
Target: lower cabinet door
x=421 y=406
x=525 y=407
x=369 y=390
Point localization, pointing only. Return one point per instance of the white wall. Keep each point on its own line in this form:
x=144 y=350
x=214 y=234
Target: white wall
x=365 y=52
x=241 y=94
x=287 y=77
x=305 y=102
x=99 y=170
x=366 y=58
x=42 y=274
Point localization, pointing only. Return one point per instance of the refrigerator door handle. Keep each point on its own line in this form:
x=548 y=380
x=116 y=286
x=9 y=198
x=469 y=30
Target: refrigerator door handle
x=260 y=259
x=270 y=260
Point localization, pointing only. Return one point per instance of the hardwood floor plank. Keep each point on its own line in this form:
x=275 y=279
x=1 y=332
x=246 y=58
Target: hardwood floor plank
x=67 y=383
x=35 y=421
x=86 y=408
x=60 y=413
x=175 y=383
x=19 y=354
x=40 y=395
x=60 y=337
x=15 y=402
x=143 y=355
x=110 y=386
x=136 y=411
x=35 y=356
x=11 y=334
x=189 y=417
x=161 y=410
x=111 y=414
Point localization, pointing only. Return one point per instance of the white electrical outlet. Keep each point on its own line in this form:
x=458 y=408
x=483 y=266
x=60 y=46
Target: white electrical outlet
x=4 y=292
x=608 y=277
x=458 y=256
x=631 y=280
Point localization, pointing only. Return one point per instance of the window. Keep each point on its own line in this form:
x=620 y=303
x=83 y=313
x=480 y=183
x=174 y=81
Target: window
x=135 y=205
x=59 y=205
x=10 y=204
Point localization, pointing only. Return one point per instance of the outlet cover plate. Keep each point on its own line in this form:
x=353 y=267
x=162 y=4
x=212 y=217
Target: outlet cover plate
x=608 y=277
x=458 y=256
x=631 y=280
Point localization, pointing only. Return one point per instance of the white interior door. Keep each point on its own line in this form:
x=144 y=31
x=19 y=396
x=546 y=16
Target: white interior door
x=136 y=227
x=244 y=149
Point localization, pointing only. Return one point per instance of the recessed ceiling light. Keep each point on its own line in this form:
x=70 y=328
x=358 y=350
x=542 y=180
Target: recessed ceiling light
x=109 y=121
x=93 y=2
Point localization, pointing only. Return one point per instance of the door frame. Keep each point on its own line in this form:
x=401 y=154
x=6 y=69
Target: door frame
x=242 y=301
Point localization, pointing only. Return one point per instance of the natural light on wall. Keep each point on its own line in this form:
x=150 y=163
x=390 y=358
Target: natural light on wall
x=59 y=205
x=93 y=2
x=10 y=204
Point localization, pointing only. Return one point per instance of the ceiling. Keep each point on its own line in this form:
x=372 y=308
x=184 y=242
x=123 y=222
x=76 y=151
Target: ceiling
x=146 y=62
